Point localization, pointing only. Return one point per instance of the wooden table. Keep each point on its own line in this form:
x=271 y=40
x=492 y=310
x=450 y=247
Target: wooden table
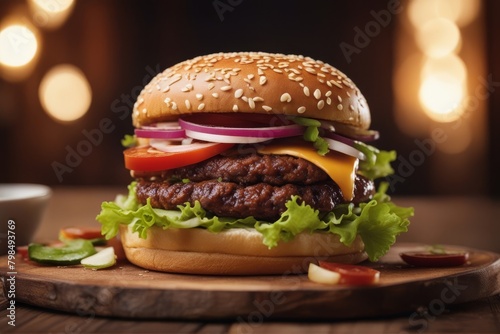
x=470 y=222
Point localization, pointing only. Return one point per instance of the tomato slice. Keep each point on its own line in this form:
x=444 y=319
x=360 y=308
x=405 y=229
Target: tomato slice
x=80 y=233
x=420 y=259
x=352 y=274
x=145 y=158
x=23 y=251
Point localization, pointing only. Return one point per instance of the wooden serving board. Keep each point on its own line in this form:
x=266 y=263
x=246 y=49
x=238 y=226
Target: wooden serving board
x=128 y=291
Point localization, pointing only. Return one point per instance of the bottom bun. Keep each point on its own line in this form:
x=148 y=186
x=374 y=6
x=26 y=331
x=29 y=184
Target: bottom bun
x=237 y=251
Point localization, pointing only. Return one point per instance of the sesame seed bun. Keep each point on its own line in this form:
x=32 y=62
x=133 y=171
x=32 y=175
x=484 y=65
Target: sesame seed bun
x=233 y=252
x=252 y=82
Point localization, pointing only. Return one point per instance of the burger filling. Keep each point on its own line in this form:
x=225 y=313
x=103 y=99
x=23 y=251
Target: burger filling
x=273 y=180
x=249 y=185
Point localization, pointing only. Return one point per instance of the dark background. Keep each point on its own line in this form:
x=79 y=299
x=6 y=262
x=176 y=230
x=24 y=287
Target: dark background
x=120 y=44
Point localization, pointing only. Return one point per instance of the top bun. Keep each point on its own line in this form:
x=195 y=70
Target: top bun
x=252 y=82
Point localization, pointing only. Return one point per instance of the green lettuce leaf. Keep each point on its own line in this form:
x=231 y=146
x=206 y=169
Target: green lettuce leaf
x=378 y=222
x=129 y=141
x=377 y=163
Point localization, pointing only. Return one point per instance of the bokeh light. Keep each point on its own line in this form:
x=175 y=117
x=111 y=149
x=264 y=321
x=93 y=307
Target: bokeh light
x=451 y=65
x=65 y=93
x=442 y=95
x=438 y=37
x=18 y=45
x=51 y=14
x=461 y=12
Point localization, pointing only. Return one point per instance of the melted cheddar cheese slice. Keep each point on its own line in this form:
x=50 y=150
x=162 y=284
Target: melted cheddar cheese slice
x=340 y=167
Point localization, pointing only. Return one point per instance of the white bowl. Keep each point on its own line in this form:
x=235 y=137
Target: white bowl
x=22 y=206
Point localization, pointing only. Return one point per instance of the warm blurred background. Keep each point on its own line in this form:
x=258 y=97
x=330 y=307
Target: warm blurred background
x=70 y=71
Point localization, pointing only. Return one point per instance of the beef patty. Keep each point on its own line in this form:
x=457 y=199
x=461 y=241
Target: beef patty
x=252 y=185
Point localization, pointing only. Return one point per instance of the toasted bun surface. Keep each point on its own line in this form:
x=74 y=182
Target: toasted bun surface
x=252 y=82
x=233 y=252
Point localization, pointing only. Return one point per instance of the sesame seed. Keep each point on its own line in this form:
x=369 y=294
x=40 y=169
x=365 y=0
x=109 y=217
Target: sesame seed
x=167 y=100
x=277 y=70
x=258 y=99
x=185 y=89
x=310 y=70
x=351 y=107
x=235 y=108
x=347 y=83
x=328 y=101
x=267 y=108
x=317 y=94
x=299 y=79
x=301 y=110
x=201 y=106
x=339 y=98
x=251 y=103
x=285 y=97
x=262 y=80
x=175 y=79
x=174 y=106
x=144 y=110
x=348 y=94
x=225 y=88
x=238 y=93
x=216 y=95
x=306 y=91
x=188 y=104
x=327 y=94
x=260 y=72
x=199 y=96
x=340 y=107
x=189 y=86
x=244 y=98
x=329 y=84
x=336 y=84
x=211 y=86
x=250 y=76
x=165 y=89
x=321 y=104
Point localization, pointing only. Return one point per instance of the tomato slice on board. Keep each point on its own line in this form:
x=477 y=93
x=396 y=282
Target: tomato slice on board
x=145 y=158
x=352 y=274
x=421 y=259
x=23 y=251
x=81 y=233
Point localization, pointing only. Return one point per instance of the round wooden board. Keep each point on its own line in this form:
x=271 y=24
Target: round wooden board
x=128 y=291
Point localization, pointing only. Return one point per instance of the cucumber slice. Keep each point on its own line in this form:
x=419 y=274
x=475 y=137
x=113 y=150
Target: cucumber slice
x=71 y=253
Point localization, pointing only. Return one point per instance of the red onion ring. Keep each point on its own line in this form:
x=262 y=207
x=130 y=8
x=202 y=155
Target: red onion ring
x=170 y=130
x=264 y=132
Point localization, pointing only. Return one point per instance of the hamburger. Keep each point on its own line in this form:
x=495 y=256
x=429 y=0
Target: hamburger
x=253 y=163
